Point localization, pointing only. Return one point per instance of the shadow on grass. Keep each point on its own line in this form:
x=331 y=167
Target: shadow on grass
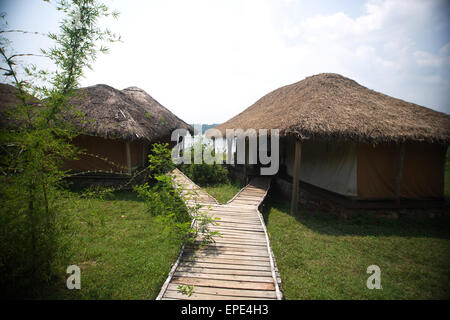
x=362 y=223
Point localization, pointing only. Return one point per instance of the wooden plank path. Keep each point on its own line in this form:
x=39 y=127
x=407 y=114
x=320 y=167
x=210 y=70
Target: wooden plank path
x=240 y=264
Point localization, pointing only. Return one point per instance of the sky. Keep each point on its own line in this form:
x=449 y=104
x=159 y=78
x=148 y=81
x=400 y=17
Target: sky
x=208 y=60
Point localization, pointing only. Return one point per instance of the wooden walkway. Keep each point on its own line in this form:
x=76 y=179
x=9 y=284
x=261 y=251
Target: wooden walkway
x=240 y=265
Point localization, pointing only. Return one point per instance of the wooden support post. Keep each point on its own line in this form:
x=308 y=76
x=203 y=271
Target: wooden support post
x=298 y=156
x=127 y=147
x=246 y=161
x=399 y=177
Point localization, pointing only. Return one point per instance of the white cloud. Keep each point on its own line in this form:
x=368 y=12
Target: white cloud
x=427 y=59
x=379 y=49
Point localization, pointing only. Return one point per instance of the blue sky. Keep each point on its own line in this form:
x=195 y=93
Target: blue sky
x=208 y=60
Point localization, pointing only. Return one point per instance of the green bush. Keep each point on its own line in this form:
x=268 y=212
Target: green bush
x=164 y=202
x=34 y=238
x=161 y=198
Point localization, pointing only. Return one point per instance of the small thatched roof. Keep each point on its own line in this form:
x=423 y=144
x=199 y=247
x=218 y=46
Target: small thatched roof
x=331 y=106
x=128 y=114
x=164 y=121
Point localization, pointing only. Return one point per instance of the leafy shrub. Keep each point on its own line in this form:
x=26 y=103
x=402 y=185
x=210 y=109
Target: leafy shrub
x=34 y=236
x=163 y=201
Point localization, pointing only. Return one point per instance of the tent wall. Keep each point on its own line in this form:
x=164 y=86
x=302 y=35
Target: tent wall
x=328 y=165
x=366 y=171
x=106 y=154
x=423 y=171
x=422 y=175
x=377 y=170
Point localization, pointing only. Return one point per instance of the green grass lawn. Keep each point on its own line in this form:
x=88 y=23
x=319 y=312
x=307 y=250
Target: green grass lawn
x=223 y=192
x=121 y=251
x=322 y=257
x=447 y=175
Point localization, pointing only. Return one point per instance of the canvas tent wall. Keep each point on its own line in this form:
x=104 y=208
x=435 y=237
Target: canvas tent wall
x=422 y=172
x=108 y=155
x=330 y=166
x=366 y=171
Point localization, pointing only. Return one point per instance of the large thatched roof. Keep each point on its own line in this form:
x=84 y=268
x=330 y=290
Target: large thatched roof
x=127 y=114
x=331 y=106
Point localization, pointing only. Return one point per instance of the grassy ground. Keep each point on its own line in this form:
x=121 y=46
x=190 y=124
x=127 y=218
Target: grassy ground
x=121 y=251
x=321 y=257
x=447 y=175
x=223 y=192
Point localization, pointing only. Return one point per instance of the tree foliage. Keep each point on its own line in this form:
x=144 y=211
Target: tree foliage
x=162 y=196
x=33 y=231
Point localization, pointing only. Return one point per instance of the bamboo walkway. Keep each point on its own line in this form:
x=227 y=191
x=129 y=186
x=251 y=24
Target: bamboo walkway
x=240 y=265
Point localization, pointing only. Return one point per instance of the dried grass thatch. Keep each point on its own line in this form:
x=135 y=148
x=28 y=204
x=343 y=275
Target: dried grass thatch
x=9 y=100
x=331 y=106
x=127 y=114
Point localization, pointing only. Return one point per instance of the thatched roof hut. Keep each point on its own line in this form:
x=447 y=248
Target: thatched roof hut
x=116 y=130
x=118 y=127
x=331 y=106
x=351 y=140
